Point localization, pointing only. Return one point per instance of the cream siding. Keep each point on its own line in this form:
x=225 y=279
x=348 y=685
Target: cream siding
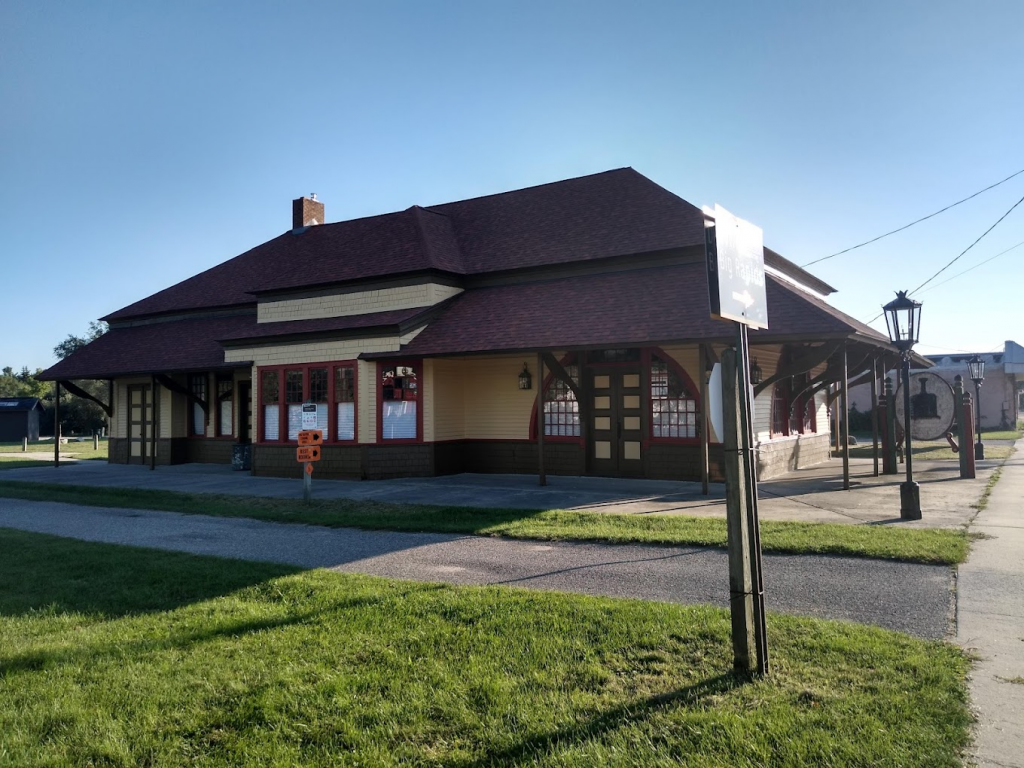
x=355 y=303
x=445 y=396
x=493 y=405
x=311 y=352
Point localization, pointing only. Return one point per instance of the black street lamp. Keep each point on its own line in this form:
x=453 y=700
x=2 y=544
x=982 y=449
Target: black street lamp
x=903 y=318
x=976 y=366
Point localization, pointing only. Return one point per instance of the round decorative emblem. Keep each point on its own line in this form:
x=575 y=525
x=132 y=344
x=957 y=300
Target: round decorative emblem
x=931 y=406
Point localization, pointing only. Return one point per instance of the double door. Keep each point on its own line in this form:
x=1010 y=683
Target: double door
x=140 y=423
x=616 y=430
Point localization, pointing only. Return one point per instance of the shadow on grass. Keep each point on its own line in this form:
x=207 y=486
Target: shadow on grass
x=43 y=573
x=528 y=750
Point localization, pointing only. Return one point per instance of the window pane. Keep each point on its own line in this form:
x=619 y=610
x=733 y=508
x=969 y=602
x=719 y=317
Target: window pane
x=271 y=419
x=270 y=389
x=318 y=385
x=293 y=386
x=294 y=420
x=226 y=417
x=345 y=385
x=197 y=387
x=673 y=406
x=225 y=395
x=561 y=411
x=400 y=392
x=346 y=421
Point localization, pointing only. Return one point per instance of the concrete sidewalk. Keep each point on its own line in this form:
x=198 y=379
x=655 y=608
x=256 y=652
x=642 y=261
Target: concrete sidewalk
x=990 y=620
x=808 y=495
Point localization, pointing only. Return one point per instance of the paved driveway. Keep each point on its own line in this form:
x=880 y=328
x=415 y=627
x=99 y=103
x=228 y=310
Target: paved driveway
x=902 y=596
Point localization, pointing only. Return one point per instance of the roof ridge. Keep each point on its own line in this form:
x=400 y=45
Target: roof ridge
x=533 y=186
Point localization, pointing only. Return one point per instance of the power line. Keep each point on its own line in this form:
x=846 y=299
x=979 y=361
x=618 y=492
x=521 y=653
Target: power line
x=908 y=226
x=965 y=250
x=970 y=269
x=957 y=257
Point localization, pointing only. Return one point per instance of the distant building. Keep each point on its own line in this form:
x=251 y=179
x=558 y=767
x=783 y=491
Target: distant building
x=1002 y=391
x=19 y=418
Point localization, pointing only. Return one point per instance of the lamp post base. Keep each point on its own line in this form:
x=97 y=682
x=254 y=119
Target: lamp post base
x=910 y=500
x=979 y=450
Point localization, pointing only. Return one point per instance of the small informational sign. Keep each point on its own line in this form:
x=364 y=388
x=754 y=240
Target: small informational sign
x=307 y=453
x=735 y=265
x=309 y=416
x=311 y=437
x=932 y=406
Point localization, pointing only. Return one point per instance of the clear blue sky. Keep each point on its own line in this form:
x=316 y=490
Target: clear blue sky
x=143 y=142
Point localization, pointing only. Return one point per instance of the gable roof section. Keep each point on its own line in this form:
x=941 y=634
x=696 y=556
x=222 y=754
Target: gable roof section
x=649 y=306
x=607 y=214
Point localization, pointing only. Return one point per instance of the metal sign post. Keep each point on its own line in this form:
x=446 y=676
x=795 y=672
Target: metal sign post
x=736 y=289
x=308 y=452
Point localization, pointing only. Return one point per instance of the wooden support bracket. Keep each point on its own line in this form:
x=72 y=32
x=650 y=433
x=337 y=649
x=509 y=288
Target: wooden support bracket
x=74 y=389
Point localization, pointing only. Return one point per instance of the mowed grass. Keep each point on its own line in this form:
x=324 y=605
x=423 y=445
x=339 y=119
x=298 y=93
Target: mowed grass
x=41 y=454
x=885 y=542
x=930 y=450
x=119 y=656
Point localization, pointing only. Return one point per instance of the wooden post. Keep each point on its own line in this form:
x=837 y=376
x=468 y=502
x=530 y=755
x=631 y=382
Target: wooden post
x=24 y=445
x=889 y=463
x=307 y=483
x=153 y=424
x=540 y=420
x=703 y=435
x=95 y=440
x=56 y=424
x=874 y=413
x=746 y=589
x=844 y=402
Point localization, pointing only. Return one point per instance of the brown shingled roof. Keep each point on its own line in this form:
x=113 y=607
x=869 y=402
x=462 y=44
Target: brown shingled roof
x=606 y=214
x=614 y=309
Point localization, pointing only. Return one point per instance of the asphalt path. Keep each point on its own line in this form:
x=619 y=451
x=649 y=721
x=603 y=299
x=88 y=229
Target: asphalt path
x=911 y=598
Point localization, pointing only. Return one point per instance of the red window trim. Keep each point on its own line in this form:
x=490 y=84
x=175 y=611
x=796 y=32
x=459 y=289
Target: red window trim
x=332 y=410
x=645 y=357
x=417 y=364
x=216 y=396
x=569 y=358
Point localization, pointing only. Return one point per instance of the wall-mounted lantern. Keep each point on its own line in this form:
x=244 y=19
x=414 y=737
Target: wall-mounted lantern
x=525 y=379
x=755 y=372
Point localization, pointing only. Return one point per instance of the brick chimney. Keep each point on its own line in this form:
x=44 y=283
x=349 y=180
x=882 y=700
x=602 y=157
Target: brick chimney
x=307 y=212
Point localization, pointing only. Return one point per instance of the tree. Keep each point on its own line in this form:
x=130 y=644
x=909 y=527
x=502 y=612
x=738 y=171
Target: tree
x=78 y=415
x=74 y=343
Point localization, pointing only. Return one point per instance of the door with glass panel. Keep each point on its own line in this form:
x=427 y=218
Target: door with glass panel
x=140 y=423
x=616 y=426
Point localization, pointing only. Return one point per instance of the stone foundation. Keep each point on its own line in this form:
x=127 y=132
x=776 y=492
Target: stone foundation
x=786 y=454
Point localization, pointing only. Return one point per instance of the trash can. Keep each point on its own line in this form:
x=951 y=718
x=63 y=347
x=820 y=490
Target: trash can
x=241 y=456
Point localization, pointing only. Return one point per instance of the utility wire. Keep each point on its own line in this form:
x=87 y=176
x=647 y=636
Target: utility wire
x=970 y=269
x=908 y=226
x=965 y=250
x=957 y=257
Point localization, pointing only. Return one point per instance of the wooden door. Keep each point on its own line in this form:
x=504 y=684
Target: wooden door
x=616 y=433
x=140 y=423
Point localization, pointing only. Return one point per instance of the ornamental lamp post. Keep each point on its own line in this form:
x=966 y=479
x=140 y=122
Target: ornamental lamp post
x=903 y=318
x=976 y=367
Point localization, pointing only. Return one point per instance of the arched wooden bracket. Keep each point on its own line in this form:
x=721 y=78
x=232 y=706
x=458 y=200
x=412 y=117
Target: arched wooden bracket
x=74 y=389
x=168 y=383
x=814 y=357
x=561 y=374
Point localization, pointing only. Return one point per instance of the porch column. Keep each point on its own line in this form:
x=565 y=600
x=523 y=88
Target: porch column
x=845 y=405
x=56 y=424
x=874 y=413
x=540 y=420
x=702 y=422
x=155 y=425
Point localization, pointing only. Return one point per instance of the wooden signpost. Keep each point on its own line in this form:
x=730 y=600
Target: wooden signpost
x=308 y=451
x=735 y=265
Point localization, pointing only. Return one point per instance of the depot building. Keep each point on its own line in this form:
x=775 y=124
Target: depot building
x=566 y=324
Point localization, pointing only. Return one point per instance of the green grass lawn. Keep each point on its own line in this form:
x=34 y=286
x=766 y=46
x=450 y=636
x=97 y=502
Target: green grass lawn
x=993 y=433
x=41 y=454
x=931 y=450
x=888 y=542
x=119 y=656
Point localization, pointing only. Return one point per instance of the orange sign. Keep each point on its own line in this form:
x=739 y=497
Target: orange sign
x=311 y=437
x=309 y=469
x=308 y=453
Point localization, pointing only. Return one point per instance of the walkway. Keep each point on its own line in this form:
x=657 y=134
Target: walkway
x=990 y=620
x=809 y=495
x=901 y=596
